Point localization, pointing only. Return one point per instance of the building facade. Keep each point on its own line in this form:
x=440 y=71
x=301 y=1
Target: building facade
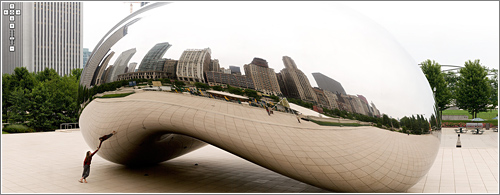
x=214 y=65
x=192 y=65
x=151 y=59
x=132 y=66
x=263 y=77
x=35 y=36
x=328 y=83
x=235 y=70
x=86 y=54
x=296 y=82
x=121 y=64
x=218 y=78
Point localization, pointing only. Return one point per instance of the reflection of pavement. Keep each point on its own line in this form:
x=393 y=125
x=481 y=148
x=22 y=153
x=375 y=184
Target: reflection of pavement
x=52 y=163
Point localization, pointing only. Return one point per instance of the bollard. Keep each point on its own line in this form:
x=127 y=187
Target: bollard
x=459 y=144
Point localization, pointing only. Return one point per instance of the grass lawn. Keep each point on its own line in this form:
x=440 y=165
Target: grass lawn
x=115 y=95
x=484 y=115
x=336 y=124
x=3 y=132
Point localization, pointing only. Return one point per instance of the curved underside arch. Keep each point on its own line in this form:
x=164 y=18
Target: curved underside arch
x=157 y=126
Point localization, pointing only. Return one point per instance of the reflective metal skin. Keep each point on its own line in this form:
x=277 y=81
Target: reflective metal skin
x=153 y=127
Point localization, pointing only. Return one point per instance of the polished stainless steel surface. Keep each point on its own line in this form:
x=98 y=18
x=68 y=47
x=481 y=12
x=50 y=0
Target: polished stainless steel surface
x=334 y=40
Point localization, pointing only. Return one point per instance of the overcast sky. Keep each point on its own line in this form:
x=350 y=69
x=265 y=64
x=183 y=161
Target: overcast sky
x=395 y=32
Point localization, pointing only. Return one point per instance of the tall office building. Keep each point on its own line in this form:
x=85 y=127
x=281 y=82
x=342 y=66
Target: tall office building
x=328 y=83
x=192 y=64
x=150 y=61
x=40 y=35
x=264 y=78
x=296 y=82
x=85 y=55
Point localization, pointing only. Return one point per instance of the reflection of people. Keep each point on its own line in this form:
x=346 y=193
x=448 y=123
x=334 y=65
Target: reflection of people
x=104 y=138
x=267 y=109
x=298 y=118
x=86 y=165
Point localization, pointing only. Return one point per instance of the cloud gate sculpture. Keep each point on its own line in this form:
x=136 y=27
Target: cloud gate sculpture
x=156 y=126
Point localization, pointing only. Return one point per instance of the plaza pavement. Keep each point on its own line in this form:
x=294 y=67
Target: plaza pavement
x=52 y=162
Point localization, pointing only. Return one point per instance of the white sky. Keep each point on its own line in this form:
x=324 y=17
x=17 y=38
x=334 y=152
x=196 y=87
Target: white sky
x=448 y=32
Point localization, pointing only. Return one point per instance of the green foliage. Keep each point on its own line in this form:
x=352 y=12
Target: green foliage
x=493 y=81
x=3 y=132
x=418 y=125
x=489 y=114
x=436 y=79
x=275 y=98
x=252 y=93
x=179 y=83
x=336 y=124
x=115 y=95
x=41 y=101
x=234 y=90
x=300 y=103
x=201 y=85
x=451 y=79
x=16 y=129
x=473 y=89
x=217 y=88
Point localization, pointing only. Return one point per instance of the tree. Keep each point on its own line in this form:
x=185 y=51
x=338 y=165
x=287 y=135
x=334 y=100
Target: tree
x=473 y=89
x=451 y=79
x=436 y=79
x=493 y=81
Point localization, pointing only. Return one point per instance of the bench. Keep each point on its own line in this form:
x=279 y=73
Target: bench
x=474 y=125
x=461 y=130
x=477 y=131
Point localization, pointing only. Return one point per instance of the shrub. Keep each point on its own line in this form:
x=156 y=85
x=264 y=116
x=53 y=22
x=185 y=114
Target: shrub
x=17 y=129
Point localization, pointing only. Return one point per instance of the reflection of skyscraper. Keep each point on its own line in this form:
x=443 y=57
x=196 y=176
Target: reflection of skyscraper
x=131 y=67
x=100 y=51
x=296 y=82
x=263 y=77
x=328 y=83
x=150 y=61
x=99 y=78
x=235 y=70
x=35 y=36
x=192 y=64
x=121 y=64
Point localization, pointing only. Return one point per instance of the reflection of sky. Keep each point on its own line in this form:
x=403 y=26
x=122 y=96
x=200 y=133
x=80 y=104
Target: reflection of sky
x=333 y=40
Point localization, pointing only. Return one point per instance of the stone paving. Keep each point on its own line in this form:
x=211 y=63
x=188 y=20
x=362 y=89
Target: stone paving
x=52 y=162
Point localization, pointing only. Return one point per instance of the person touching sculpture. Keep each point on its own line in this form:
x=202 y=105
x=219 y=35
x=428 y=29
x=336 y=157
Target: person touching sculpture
x=88 y=158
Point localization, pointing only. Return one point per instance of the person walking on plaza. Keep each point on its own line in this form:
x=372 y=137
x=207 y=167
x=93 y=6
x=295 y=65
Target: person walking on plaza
x=267 y=109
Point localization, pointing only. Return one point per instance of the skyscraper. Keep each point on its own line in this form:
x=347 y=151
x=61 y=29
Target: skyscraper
x=40 y=35
x=296 y=82
x=192 y=65
x=86 y=55
x=328 y=83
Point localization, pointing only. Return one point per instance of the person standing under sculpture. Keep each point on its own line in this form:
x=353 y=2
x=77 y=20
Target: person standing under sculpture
x=89 y=155
x=86 y=165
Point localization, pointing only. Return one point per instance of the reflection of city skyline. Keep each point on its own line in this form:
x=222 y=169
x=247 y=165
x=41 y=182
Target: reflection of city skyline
x=196 y=65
